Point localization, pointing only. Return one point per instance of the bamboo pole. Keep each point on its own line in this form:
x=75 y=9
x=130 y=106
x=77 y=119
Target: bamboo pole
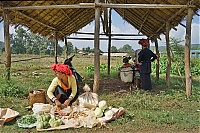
x=84 y=38
x=171 y=18
x=100 y=5
x=116 y=34
x=66 y=51
x=179 y=72
x=7 y=43
x=109 y=42
x=188 y=75
x=168 y=55
x=157 y=60
x=56 y=47
x=106 y=20
x=96 y=49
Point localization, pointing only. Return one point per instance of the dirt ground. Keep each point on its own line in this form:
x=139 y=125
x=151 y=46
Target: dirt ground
x=110 y=86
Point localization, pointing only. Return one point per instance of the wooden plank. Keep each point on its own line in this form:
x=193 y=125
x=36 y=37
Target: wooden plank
x=188 y=75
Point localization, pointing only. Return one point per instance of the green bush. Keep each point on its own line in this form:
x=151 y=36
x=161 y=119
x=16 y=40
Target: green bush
x=10 y=90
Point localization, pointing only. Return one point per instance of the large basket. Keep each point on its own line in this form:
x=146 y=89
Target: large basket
x=38 y=97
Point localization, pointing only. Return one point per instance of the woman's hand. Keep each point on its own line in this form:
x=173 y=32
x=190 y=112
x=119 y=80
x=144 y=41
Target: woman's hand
x=58 y=104
x=140 y=63
x=66 y=103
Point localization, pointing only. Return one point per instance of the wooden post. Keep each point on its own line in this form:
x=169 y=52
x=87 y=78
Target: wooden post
x=106 y=20
x=96 y=49
x=66 y=51
x=168 y=55
x=7 y=43
x=56 y=47
x=157 y=60
x=188 y=75
x=109 y=41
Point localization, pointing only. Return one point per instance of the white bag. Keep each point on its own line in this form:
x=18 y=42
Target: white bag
x=39 y=108
x=88 y=99
x=126 y=74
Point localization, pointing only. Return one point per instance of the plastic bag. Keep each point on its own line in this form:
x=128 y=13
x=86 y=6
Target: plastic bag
x=88 y=99
x=39 y=108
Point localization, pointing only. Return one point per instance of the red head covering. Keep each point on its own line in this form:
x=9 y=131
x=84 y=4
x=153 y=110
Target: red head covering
x=61 y=68
x=144 y=42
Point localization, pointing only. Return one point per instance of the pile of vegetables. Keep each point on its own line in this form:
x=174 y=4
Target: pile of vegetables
x=103 y=110
x=29 y=119
x=46 y=121
x=55 y=121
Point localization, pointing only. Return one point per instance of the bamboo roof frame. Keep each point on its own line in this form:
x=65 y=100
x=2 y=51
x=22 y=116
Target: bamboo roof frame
x=39 y=16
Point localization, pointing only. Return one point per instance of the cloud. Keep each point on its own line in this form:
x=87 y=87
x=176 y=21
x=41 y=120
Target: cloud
x=11 y=30
x=180 y=33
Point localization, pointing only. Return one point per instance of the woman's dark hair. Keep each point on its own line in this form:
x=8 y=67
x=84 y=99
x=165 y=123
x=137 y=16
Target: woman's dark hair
x=126 y=59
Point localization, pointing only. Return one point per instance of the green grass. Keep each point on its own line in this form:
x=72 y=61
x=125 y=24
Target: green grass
x=163 y=111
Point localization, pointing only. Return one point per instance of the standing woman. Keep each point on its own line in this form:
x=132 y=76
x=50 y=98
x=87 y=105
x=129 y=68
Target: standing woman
x=145 y=57
x=63 y=88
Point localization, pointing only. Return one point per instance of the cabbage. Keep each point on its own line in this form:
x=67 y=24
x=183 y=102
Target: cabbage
x=98 y=112
x=108 y=112
x=103 y=105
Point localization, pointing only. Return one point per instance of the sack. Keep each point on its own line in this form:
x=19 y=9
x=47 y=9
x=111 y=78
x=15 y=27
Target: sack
x=40 y=108
x=126 y=74
x=37 y=96
x=88 y=99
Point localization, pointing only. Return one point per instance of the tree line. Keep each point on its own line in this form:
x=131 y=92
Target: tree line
x=24 y=42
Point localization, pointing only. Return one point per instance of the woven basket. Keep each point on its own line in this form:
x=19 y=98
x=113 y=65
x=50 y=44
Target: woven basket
x=38 y=97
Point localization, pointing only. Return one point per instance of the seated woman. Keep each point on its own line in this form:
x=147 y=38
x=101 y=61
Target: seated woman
x=63 y=88
x=126 y=62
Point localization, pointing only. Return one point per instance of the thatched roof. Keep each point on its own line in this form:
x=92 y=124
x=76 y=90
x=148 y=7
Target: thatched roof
x=69 y=16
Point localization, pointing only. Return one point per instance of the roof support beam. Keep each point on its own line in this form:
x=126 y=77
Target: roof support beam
x=96 y=49
x=172 y=17
x=84 y=38
x=89 y=33
x=101 y=5
x=188 y=75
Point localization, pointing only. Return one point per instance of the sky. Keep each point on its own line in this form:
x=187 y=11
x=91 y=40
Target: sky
x=120 y=26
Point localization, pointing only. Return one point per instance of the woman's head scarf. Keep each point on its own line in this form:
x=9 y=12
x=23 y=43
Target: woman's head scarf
x=144 y=42
x=61 y=68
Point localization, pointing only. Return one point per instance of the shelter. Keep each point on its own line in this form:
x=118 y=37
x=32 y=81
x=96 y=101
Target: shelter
x=59 y=19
